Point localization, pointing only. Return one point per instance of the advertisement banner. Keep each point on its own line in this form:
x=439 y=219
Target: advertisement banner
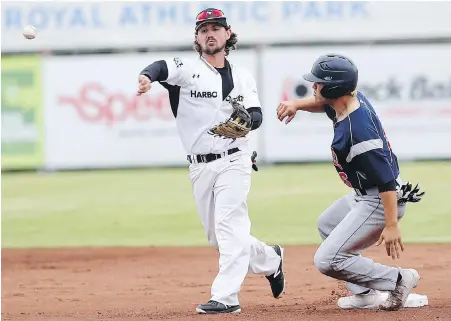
x=409 y=86
x=123 y=24
x=22 y=128
x=95 y=120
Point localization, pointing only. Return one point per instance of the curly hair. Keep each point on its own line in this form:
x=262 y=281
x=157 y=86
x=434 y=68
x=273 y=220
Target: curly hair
x=230 y=44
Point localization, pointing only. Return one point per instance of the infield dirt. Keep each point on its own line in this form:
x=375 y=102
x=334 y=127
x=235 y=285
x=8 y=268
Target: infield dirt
x=159 y=283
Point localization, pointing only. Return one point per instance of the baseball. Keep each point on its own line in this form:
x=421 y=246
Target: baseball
x=29 y=32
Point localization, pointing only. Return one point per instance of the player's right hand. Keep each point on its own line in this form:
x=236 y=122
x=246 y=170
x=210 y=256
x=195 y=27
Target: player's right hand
x=286 y=109
x=144 y=85
x=393 y=243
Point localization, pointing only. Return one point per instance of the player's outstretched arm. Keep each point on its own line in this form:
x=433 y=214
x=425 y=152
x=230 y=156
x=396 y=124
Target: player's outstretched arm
x=287 y=109
x=172 y=72
x=156 y=71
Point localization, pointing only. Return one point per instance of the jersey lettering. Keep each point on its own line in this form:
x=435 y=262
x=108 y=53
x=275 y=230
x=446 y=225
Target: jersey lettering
x=344 y=178
x=343 y=175
x=388 y=144
x=204 y=94
x=238 y=98
x=335 y=159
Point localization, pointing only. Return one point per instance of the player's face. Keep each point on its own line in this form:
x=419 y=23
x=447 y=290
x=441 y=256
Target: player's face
x=212 y=38
x=317 y=92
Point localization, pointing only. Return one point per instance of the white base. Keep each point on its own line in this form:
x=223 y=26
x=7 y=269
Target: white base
x=413 y=300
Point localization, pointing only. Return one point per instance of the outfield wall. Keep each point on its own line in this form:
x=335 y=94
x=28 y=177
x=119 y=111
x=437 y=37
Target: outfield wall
x=94 y=25
x=73 y=112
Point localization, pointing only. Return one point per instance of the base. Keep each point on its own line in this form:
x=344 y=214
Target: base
x=413 y=300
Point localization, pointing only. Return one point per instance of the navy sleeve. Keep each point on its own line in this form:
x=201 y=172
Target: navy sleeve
x=256 y=115
x=367 y=152
x=157 y=71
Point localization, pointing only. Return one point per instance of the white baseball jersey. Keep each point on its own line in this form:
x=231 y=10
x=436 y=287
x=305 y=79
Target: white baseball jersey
x=196 y=96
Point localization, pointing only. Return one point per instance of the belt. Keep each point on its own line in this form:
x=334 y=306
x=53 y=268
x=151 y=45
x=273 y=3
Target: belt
x=373 y=191
x=206 y=158
x=360 y=191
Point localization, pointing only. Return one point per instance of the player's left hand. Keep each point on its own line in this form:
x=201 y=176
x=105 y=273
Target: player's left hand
x=238 y=125
x=393 y=243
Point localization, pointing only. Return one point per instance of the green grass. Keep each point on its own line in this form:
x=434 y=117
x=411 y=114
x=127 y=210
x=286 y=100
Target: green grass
x=156 y=206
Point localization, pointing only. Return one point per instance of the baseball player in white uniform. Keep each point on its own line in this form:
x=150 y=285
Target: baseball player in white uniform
x=216 y=104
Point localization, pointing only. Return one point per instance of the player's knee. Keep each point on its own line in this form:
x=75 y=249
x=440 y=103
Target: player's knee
x=323 y=261
x=235 y=246
x=237 y=233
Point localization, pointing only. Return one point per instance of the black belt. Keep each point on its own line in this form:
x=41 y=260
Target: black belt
x=206 y=158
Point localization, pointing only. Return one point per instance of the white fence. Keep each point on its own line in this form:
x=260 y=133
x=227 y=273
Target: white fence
x=124 y=24
x=92 y=118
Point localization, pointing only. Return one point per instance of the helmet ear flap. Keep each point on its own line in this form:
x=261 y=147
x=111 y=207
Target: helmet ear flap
x=334 y=92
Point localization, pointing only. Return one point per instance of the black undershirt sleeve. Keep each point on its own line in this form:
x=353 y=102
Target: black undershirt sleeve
x=389 y=186
x=157 y=71
x=256 y=115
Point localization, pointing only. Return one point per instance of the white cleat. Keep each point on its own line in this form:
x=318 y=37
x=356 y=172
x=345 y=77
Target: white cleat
x=372 y=300
x=398 y=297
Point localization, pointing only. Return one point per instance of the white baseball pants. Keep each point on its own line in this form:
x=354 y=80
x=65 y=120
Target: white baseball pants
x=220 y=189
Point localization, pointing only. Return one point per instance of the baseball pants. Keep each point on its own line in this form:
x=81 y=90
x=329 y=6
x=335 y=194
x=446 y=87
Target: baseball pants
x=348 y=227
x=220 y=190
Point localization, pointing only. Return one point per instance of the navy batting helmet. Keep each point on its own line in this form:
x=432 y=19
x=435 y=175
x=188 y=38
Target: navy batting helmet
x=338 y=74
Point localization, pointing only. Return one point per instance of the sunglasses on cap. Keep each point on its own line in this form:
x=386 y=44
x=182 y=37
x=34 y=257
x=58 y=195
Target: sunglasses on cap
x=208 y=14
x=211 y=15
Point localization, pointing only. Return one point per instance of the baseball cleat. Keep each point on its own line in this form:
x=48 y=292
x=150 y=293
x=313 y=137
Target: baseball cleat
x=215 y=307
x=398 y=297
x=372 y=300
x=277 y=279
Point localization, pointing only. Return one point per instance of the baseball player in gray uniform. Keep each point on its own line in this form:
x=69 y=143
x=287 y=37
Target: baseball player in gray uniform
x=369 y=214
x=216 y=104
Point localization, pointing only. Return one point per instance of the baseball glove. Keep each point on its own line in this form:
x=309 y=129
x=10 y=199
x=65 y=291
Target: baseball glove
x=238 y=125
x=407 y=194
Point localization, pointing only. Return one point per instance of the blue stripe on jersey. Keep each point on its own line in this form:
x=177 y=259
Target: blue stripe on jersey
x=361 y=152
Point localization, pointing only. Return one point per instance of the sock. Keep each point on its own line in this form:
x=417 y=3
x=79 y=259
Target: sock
x=399 y=277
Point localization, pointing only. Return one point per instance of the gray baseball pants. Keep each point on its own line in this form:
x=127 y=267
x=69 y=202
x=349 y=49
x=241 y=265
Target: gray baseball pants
x=348 y=227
